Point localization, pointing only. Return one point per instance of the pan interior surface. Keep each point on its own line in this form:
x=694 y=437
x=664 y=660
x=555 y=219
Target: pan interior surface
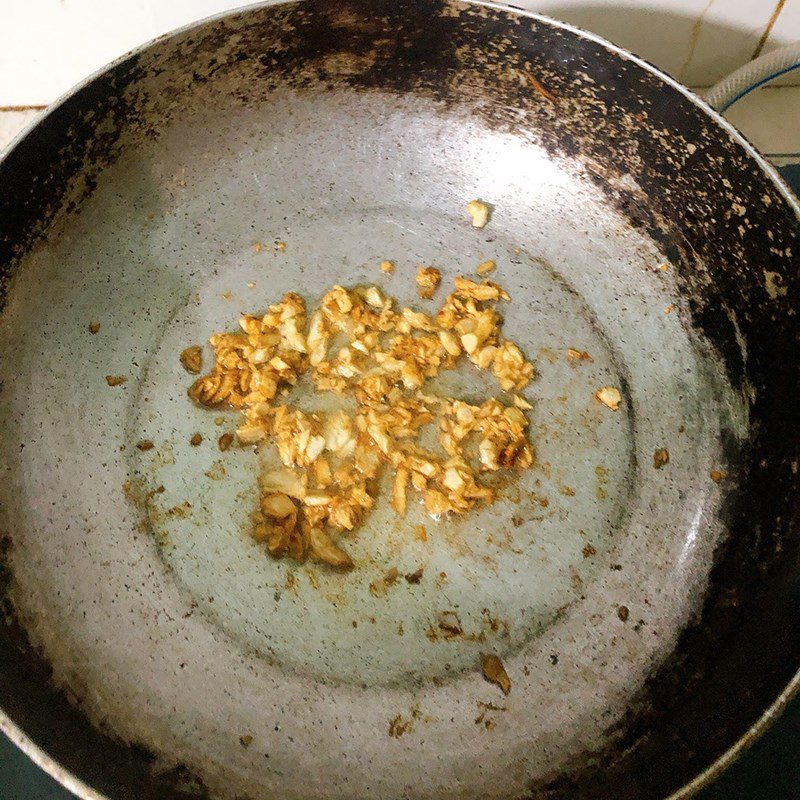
x=134 y=572
x=162 y=255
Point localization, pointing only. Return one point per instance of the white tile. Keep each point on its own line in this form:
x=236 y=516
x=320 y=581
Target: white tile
x=12 y=122
x=786 y=31
x=697 y=41
x=728 y=35
x=770 y=119
x=659 y=34
x=46 y=46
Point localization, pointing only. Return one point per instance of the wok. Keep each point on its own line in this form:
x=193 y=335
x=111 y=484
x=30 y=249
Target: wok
x=647 y=617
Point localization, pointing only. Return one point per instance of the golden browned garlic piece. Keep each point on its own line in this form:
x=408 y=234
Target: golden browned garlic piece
x=428 y=279
x=479 y=212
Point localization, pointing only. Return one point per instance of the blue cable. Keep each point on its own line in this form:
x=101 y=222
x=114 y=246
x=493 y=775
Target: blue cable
x=760 y=83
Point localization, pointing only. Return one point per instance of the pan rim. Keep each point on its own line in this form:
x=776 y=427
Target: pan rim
x=710 y=773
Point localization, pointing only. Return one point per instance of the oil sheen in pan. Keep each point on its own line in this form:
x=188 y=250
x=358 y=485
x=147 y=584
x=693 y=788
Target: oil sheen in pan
x=191 y=605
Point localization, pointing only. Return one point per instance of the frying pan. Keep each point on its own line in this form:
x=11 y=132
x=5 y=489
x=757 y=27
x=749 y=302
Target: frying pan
x=647 y=617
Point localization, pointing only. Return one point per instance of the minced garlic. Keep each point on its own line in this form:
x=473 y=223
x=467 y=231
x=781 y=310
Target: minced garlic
x=382 y=358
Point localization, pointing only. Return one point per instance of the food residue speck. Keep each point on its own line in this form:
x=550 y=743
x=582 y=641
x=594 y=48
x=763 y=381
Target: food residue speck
x=192 y=359
x=225 y=441
x=495 y=672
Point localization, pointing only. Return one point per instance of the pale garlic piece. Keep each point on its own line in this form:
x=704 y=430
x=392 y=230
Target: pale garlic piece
x=399 y=497
x=609 y=396
x=284 y=481
x=323 y=549
x=484 y=357
x=374 y=297
x=480 y=291
x=251 y=433
x=479 y=212
x=297 y=436
x=318 y=337
x=510 y=367
x=339 y=436
x=278 y=505
x=450 y=343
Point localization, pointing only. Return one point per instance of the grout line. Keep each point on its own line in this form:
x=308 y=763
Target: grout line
x=693 y=38
x=776 y=12
x=22 y=108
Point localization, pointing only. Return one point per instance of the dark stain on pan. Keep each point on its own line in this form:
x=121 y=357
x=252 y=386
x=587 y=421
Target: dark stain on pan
x=60 y=160
x=659 y=159
x=6 y=543
x=31 y=698
x=34 y=702
x=693 y=704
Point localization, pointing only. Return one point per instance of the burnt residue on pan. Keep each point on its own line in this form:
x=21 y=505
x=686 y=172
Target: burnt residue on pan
x=33 y=701
x=659 y=158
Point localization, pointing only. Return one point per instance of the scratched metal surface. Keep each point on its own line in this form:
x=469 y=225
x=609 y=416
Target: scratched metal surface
x=168 y=628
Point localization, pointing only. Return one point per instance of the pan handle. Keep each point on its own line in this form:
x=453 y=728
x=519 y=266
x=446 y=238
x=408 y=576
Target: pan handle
x=755 y=73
